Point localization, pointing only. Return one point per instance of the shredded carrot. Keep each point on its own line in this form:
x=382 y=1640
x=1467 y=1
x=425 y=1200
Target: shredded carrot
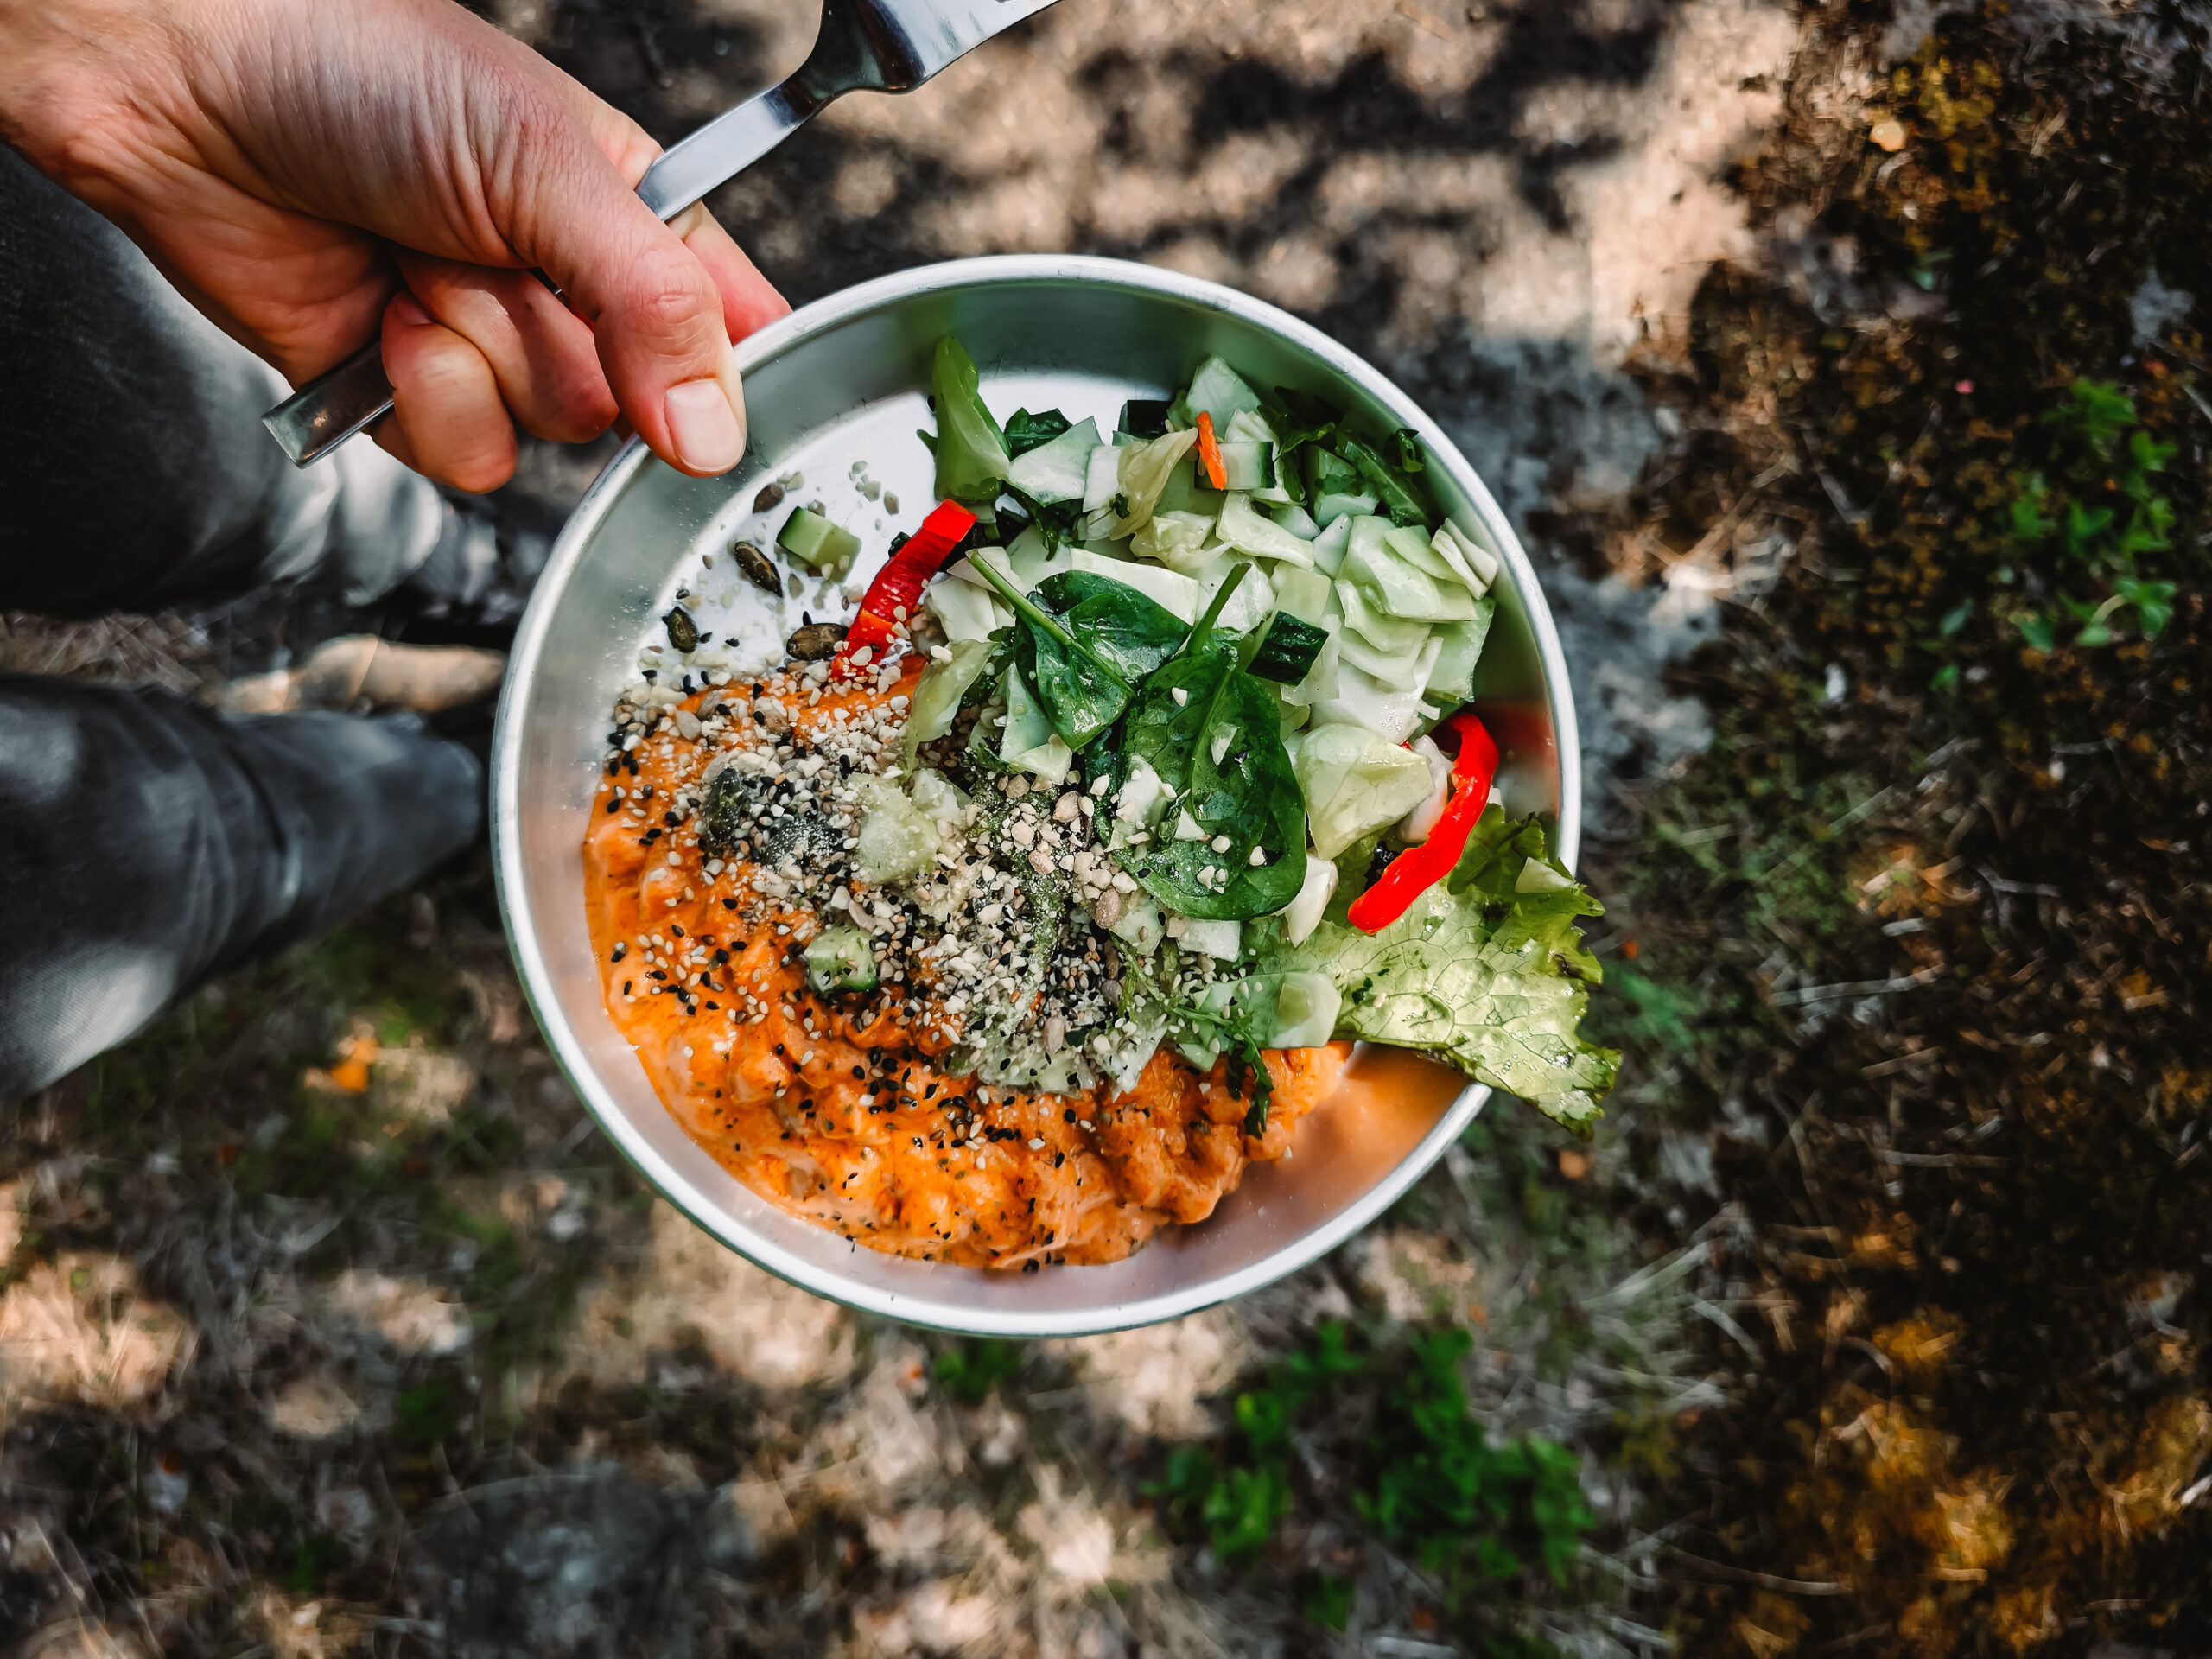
x=1209 y=452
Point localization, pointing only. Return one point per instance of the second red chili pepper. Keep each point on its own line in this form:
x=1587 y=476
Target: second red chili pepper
x=1419 y=869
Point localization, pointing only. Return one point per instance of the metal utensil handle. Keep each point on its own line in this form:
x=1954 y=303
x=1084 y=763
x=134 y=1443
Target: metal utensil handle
x=337 y=403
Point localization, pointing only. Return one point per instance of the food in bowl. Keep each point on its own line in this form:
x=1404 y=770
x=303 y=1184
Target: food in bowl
x=1011 y=921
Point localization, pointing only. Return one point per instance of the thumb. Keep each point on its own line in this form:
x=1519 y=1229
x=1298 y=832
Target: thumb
x=656 y=313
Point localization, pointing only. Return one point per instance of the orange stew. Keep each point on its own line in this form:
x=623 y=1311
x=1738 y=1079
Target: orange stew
x=842 y=1109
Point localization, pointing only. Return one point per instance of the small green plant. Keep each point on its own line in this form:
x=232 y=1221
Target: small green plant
x=1327 y=1599
x=1443 y=1490
x=970 y=1372
x=425 y=1413
x=319 y=1555
x=2096 y=511
x=1429 y=1479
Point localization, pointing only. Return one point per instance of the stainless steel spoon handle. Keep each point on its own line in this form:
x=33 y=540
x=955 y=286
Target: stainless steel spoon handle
x=334 y=405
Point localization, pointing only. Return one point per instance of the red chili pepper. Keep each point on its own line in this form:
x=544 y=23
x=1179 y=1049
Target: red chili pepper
x=899 y=585
x=1419 y=869
x=1209 y=452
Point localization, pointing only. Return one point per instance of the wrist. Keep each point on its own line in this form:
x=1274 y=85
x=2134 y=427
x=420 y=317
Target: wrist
x=82 y=82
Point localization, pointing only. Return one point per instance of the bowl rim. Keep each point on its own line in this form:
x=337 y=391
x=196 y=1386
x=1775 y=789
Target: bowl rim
x=786 y=334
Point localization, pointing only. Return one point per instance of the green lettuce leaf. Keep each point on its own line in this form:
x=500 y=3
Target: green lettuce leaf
x=1485 y=971
x=971 y=457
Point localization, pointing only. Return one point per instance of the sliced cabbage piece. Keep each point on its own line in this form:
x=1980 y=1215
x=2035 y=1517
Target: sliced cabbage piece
x=965 y=612
x=1389 y=636
x=1389 y=711
x=1418 y=548
x=1390 y=667
x=1023 y=577
x=1303 y=914
x=1451 y=679
x=1102 y=476
x=1142 y=472
x=1482 y=558
x=1140 y=926
x=1029 y=741
x=937 y=694
x=1142 y=794
x=1170 y=589
x=1329 y=547
x=1392 y=586
x=1177 y=540
x=1220 y=391
x=1248 y=607
x=1330 y=508
x=1060 y=470
x=1306 y=1003
x=1244 y=527
x=1413 y=829
x=1222 y=941
x=971 y=458
x=1303 y=593
x=897 y=840
x=1355 y=783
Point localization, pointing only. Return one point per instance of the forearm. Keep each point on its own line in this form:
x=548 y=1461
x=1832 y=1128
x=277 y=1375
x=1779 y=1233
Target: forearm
x=271 y=156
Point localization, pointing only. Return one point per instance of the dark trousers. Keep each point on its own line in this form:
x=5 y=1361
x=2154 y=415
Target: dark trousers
x=147 y=843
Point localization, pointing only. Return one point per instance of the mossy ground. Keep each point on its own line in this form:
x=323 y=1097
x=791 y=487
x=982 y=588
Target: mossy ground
x=1932 y=910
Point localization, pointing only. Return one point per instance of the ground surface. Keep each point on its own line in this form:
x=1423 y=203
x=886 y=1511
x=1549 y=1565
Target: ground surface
x=1873 y=1320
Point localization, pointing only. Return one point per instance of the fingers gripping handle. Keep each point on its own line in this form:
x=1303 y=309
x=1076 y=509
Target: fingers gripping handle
x=333 y=406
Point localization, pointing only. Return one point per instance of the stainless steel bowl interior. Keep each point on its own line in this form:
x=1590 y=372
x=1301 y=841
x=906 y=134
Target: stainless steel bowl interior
x=842 y=382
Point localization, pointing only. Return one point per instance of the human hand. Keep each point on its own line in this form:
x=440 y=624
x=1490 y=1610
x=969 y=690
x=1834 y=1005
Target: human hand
x=302 y=172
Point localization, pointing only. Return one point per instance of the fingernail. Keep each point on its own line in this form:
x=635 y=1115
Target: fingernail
x=410 y=310
x=706 y=431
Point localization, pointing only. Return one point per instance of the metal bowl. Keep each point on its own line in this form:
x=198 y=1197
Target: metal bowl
x=841 y=382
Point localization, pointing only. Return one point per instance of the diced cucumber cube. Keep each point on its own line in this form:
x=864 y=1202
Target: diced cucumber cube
x=809 y=536
x=1288 y=652
x=841 y=959
x=1247 y=466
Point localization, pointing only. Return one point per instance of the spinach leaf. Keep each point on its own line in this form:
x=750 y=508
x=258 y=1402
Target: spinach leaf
x=1026 y=431
x=1295 y=418
x=1131 y=632
x=1218 y=746
x=1084 y=642
x=1298 y=421
x=1389 y=483
x=1056 y=521
x=1409 y=457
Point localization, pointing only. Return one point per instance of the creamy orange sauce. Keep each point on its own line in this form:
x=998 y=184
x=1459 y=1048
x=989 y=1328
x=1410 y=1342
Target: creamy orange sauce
x=836 y=1109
